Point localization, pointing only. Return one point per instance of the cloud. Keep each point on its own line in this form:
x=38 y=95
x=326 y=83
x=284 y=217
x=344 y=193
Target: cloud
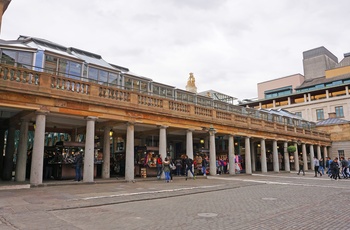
x=230 y=46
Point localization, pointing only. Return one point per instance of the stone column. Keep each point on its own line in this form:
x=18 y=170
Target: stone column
x=189 y=143
x=36 y=172
x=89 y=153
x=2 y=145
x=252 y=149
x=21 y=162
x=189 y=147
x=248 y=161
x=303 y=149
x=312 y=154
x=286 y=157
x=276 y=167
x=106 y=167
x=212 y=152
x=129 y=152
x=231 y=155
x=325 y=152
x=296 y=158
x=319 y=156
x=162 y=144
x=263 y=156
x=318 y=149
x=10 y=149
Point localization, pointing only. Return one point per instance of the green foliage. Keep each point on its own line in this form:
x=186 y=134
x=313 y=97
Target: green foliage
x=291 y=149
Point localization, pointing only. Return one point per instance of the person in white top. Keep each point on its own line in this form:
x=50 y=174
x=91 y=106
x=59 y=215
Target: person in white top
x=317 y=164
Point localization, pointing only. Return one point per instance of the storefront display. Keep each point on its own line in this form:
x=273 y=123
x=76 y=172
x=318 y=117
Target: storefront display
x=146 y=161
x=61 y=159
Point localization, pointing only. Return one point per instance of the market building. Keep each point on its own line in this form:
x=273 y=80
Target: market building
x=56 y=101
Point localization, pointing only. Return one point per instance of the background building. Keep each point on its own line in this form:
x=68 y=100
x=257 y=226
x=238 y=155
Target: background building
x=323 y=89
x=339 y=130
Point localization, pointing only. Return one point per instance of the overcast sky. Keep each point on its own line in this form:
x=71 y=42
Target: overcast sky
x=229 y=45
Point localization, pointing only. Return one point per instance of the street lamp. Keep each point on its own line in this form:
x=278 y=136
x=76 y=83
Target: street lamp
x=111 y=132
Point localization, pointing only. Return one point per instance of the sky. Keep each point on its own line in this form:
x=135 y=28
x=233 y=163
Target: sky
x=229 y=45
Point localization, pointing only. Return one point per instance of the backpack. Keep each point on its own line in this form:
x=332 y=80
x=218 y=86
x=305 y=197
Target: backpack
x=189 y=161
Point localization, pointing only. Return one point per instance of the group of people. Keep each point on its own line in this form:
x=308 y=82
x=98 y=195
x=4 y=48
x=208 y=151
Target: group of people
x=168 y=166
x=335 y=168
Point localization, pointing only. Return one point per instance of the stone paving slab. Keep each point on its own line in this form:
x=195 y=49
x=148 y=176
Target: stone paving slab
x=271 y=201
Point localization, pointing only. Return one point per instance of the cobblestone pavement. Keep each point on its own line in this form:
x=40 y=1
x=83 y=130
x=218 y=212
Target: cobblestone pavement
x=258 y=201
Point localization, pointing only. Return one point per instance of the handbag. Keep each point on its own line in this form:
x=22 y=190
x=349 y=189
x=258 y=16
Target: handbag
x=172 y=166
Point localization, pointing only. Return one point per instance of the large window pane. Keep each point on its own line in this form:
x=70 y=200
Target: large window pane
x=63 y=68
x=25 y=59
x=93 y=74
x=143 y=87
x=50 y=64
x=74 y=70
x=319 y=114
x=128 y=83
x=103 y=77
x=113 y=78
x=339 y=111
x=8 y=57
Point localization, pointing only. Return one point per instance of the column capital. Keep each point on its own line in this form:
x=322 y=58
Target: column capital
x=42 y=112
x=162 y=126
x=91 y=118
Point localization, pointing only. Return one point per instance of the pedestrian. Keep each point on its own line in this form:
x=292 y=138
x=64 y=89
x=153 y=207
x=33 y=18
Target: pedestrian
x=172 y=167
x=321 y=167
x=317 y=165
x=344 y=166
x=189 y=165
x=159 y=165
x=334 y=168
x=78 y=162
x=178 y=164
x=328 y=166
x=166 y=169
x=301 y=166
x=204 y=165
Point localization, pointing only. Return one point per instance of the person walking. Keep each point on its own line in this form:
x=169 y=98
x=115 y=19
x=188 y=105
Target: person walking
x=166 y=169
x=78 y=161
x=317 y=165
x=178 y=164
x=204 y=165
x=334 y=168
x=328 y=166
x=189 y=165
x=301 y=166
x=159 y=166
x=321 y=167
x=344 y=166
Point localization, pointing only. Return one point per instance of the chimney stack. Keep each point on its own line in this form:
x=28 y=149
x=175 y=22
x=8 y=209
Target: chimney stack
x=332 y=115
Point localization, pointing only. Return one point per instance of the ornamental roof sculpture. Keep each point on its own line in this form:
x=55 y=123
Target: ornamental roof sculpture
x=191 y=84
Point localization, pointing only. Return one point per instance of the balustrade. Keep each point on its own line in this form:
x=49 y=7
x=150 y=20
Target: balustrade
x=179 y=107
x=68 y=84
x=20 y=75
x=226 y=112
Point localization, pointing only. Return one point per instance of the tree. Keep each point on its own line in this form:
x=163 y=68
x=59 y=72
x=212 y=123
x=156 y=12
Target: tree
x=291 y=149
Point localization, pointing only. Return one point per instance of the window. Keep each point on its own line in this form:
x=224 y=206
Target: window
x=62 y=67
x=339 y=111
x=319 y=114
x=299 y=114
x=341 y=153
x=17 y=58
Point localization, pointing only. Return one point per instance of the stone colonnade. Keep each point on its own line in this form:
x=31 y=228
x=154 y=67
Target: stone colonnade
x=250 y=159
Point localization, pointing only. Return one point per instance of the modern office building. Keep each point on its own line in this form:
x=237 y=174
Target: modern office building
x=323 y=89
